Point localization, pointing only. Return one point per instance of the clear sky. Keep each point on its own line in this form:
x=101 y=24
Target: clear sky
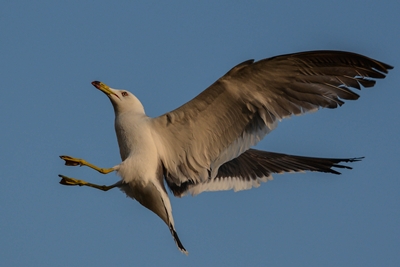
x=166 y=53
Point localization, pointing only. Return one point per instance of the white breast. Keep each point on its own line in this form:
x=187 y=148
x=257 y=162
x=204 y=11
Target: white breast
x=137 y=148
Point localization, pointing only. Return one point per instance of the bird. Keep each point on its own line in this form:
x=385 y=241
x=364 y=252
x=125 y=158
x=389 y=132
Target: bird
x=206 y=144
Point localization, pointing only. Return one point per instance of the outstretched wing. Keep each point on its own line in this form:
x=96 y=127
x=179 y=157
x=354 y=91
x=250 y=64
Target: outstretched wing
x=255 y=166
x=244 y=105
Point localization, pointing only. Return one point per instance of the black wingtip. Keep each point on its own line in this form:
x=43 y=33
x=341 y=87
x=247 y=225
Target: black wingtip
x=344 y=166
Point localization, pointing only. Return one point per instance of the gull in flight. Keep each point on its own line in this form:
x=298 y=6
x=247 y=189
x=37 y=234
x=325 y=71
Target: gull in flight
x=205 y=145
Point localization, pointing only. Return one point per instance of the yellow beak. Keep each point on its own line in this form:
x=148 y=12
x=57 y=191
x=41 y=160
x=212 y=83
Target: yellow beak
x=103 y=87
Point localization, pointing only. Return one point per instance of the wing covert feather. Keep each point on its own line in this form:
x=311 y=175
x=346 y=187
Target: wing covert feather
x=244 y=105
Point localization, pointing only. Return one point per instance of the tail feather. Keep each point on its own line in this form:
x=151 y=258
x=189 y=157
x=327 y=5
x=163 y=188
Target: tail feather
x=177 y=241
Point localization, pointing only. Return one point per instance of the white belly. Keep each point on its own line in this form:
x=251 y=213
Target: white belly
x=138 y=151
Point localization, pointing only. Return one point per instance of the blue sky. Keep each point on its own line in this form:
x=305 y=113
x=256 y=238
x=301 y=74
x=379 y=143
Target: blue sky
x=166 y=53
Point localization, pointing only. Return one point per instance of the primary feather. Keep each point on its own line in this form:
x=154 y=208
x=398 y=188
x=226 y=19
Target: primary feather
x=205 y=145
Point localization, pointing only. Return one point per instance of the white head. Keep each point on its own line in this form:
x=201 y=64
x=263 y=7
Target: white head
x=121 y=100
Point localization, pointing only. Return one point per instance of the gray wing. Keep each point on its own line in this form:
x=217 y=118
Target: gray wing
x=254 y=166
x=244 y=105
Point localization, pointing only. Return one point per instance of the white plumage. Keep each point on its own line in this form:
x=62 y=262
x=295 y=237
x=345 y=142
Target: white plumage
x=205 y=144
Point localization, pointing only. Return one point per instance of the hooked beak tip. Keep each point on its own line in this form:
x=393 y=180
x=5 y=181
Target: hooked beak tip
x=96 y=84
x=104 y=88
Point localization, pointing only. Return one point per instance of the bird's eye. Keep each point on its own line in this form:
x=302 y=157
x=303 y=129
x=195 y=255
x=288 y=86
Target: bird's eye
x=124 y=93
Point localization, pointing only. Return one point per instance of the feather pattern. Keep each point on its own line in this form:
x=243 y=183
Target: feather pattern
x=204 y=145
x=244 y=105
x=254 y=166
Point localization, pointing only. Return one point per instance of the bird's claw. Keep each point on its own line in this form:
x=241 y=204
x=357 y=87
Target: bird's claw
x=70 y=161
x=69 y=181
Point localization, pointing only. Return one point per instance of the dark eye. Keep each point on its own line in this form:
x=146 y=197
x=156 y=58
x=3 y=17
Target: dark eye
x=124 y=93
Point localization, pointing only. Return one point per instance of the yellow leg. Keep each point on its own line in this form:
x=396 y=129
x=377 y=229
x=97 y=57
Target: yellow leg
x=70 y=161
x=72 y=181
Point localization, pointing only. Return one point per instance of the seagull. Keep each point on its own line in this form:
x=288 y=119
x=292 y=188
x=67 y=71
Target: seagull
x=205 y=145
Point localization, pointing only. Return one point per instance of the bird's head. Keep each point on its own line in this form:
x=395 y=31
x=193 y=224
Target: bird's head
x=121 y=100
